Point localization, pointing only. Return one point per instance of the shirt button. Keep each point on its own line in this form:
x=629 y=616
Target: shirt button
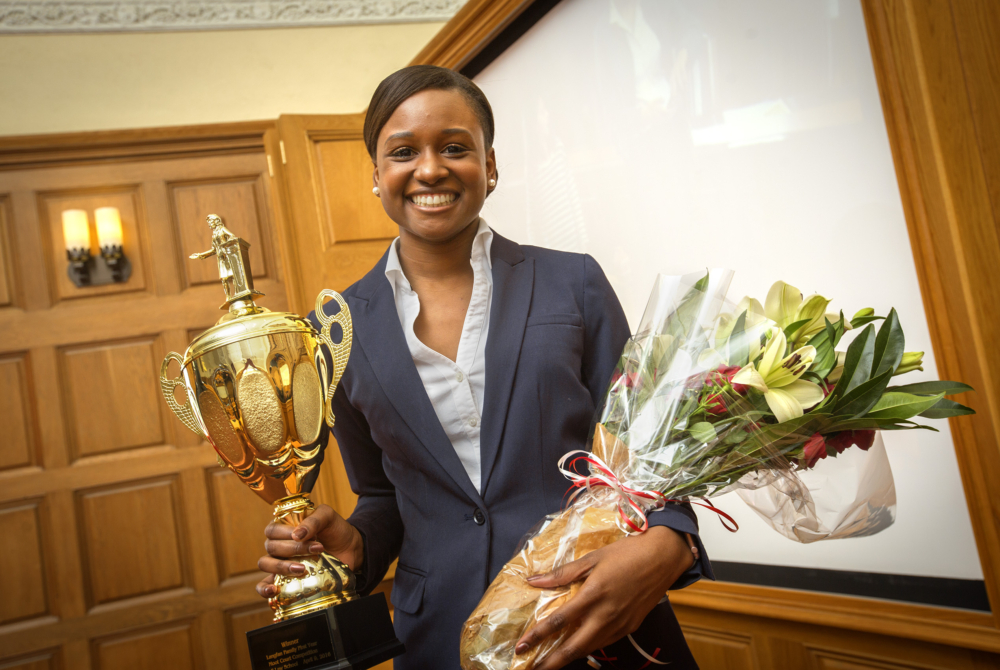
x=459 y=376
x=473 y=422
x=479 y=517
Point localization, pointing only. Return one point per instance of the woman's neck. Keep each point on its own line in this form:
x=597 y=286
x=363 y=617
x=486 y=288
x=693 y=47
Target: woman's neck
x=432 y=262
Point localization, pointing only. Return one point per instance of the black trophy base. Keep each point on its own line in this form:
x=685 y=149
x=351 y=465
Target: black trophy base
x=349 y=636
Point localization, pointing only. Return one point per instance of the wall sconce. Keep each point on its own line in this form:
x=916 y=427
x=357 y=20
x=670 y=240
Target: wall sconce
x=84 y=270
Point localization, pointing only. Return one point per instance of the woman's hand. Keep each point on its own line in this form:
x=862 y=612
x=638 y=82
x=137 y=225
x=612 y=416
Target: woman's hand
x=622 y=582
x=323 y=530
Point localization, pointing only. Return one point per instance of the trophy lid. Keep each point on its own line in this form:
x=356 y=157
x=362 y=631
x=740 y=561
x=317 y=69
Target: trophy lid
x=245 y=319
x=230 y=330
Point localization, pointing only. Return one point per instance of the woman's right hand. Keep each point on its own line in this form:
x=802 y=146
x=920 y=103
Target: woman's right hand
x=322 y=531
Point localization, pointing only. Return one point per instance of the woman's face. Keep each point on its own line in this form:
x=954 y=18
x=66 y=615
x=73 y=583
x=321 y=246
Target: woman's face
x=432 y=165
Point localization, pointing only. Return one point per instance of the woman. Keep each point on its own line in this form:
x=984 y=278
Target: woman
x=476 y=363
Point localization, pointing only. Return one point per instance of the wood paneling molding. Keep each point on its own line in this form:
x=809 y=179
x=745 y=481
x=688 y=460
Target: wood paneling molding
x=469 y=31
x=926 y=82
x=102 y=146
x=964 y=628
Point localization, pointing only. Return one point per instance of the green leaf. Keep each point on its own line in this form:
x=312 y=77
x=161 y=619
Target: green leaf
x=793 y=328
x=888 y=345
x=703 y=432
x=901 y=405
x=864 y=321
x=824 y=342
x=946 y=408
x=861 y=399
x=739 y=347
x=932 y=388
x=857 y=363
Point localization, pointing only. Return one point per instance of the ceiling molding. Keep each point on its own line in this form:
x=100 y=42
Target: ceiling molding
x=100 y=16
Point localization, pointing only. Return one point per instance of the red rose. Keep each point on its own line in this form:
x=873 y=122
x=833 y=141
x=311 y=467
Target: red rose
x=846 y=439
x=632 y=379
x=726 y=374
x=815 y=449
x=715 y=404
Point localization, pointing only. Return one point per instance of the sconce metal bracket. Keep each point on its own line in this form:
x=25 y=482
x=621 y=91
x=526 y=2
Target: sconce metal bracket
x=111 y=267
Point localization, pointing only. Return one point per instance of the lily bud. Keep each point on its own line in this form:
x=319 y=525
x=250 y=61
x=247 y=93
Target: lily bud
x=912 y=360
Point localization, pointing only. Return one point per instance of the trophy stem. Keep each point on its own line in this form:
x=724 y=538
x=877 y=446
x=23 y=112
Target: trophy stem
x=326 y=580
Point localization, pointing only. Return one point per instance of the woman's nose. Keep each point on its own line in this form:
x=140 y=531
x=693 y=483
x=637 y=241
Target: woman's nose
x=430 y=169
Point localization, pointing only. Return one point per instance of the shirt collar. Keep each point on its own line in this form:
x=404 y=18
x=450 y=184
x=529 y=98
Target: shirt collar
x=481 y=246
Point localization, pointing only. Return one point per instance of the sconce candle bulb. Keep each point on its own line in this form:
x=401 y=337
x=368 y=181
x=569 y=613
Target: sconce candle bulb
x=109 y=227
x=76 y=230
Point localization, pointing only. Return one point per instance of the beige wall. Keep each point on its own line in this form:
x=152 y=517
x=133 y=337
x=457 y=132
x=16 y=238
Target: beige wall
x=62 y=83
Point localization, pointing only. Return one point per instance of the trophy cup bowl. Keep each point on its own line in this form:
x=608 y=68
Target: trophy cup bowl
x=258 y=387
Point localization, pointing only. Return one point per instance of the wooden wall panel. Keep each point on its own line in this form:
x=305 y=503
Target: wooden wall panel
x=112 y=396
x=131 y=540
x=352 y=213
x=128 y=202
x=240 y=201
x=116 y=563
x=157 y=649
x=238 y=623
x=22 y=564
x=238 y=519
x=716 y=649
x=17 y=443
x=825 y=660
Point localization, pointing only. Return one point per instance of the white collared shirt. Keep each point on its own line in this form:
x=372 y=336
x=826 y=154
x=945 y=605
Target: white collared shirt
x=455 y=388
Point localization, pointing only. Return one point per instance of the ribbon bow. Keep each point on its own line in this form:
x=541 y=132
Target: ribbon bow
x=638 y=501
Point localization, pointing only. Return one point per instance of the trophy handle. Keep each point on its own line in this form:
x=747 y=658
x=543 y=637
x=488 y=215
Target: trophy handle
x=184 y=412
x=340 y=352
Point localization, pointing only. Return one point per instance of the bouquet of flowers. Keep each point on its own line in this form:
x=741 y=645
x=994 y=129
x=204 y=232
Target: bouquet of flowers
x=707 y=399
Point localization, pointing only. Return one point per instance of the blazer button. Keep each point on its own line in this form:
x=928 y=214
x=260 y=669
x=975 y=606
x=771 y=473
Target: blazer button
x=479 y=517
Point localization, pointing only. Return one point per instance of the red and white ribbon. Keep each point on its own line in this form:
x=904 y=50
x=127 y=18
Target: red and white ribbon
x=638 y=501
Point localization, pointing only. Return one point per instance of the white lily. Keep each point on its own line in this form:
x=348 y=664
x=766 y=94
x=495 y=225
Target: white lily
x=785 y=306
x=777 y=377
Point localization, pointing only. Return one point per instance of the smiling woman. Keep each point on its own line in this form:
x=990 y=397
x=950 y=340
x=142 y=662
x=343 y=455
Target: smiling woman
x=479 y=363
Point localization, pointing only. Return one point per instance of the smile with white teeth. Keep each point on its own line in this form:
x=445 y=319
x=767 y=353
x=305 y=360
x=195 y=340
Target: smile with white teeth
x=432 y=199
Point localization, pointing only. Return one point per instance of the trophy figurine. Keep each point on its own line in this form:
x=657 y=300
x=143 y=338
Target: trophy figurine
x=257 y=386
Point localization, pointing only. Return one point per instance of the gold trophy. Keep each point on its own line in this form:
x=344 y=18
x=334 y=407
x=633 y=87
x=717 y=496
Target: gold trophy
x=257 y=386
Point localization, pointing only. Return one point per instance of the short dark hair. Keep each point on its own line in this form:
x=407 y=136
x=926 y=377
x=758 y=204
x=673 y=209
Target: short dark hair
x=402 y=84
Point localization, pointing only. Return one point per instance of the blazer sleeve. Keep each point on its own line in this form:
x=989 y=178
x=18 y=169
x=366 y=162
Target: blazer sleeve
x=376 y=515
x=606 y=333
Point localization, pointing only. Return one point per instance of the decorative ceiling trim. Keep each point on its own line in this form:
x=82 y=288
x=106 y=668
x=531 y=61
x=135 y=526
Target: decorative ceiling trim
x=98 y=16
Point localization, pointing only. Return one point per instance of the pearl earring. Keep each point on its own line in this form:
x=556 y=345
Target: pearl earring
x=375 y=191
x=492 y=183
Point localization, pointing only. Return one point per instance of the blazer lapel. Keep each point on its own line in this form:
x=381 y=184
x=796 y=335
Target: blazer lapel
x=513 y=279
x=380 y=334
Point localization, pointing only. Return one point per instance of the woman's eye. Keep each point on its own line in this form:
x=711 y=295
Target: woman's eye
x=402 y=152
x=455 y=149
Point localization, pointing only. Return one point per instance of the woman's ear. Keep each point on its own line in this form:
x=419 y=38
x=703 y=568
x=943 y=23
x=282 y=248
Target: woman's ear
x=491 y=164
x=375 y=177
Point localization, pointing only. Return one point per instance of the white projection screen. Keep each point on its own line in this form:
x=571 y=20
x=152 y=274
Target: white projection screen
x=667 y=136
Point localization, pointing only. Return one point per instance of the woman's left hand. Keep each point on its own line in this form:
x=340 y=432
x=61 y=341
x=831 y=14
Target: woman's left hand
x=622 y=582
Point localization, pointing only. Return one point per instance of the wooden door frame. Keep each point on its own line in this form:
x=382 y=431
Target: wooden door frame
x=949 y=217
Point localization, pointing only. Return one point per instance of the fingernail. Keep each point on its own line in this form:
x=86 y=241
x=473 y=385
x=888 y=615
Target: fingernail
x=299 y=533
x=270 y=590
x=535 y=578
x=521 y=648
x=315 y=548
x=298 y=568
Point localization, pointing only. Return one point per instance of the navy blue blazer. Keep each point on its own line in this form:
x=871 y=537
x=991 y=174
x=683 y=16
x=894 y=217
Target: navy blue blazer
x=556 y=333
